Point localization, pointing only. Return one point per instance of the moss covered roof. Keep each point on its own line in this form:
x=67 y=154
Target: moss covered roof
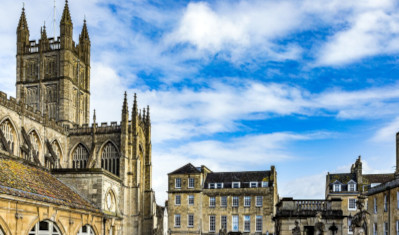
x=27 y=181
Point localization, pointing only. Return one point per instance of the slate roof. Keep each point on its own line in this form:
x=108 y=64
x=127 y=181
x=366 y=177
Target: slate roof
x=379 y=178
x=344 y=178
x=383 y=187
x=244 y=177
x=186 y=169
x=27 y=181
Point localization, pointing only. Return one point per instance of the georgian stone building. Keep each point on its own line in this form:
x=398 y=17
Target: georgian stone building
x=349 y=186
x=57 y=172
x=204 y=202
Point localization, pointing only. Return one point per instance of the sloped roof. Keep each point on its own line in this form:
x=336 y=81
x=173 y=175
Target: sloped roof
x=342 y=177
x=379 y=178
x=384 y=187
x=186 y=169
x=22 y=180
x=242 y=176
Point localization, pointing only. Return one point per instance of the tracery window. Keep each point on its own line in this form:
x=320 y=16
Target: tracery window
x=57 y=149
x=34 y=140
x=9 y=134
x=45 y=228
x=80 y=157
x=86 y=230
x=110 y=159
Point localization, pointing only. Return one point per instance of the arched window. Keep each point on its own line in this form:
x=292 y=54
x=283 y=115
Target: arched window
x=45 y=228
x=1 y=231
x=110 y=159
x=80 y=157
x=35 y=141
x=9 y=134
x=57 y=149
x=86 y=230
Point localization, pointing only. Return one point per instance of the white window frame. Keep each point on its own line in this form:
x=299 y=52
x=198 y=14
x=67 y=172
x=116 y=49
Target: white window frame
x=212 y=224
x=221 y=201
x=190 y=218
x=177 y=221
x=336 y=187
x=352 y=187
x=223 y=222
x=265 y=184
x=191 y=183
x=219 y=185
x=178 y=183
x=235 y=201
x=247 y=223
x=212 y=202
x=259 y=201
x=236 y=183
x=177 y=200
x=235 y=221
x=253 y=182
x=191 y=200
x=247 y=201
x=350 y=231
x=211 y=186
x=259 y=218
x=349 y=204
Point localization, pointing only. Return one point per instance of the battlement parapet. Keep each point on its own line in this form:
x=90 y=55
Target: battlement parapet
x=29 y=112
x=104 y=128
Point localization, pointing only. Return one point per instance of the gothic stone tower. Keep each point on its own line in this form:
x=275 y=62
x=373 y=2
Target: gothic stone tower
x=53 y=75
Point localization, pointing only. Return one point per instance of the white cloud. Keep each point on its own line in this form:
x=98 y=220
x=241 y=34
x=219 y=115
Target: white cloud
x=371 y=33
x=387 y=132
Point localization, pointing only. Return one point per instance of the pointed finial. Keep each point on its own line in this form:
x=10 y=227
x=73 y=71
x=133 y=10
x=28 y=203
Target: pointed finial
x=94 y=116
x=124 y=107
x=144 y=114
x=66 y=15
x=148 y=113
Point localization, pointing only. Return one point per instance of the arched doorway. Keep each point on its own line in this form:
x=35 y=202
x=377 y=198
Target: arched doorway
x=45 y=227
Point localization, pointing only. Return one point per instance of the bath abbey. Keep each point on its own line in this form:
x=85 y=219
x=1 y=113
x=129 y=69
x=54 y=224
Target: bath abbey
x=62 y=173
x=58 y=174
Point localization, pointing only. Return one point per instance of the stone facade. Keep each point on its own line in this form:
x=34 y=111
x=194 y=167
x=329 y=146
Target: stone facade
x=349 y=186
x=48 y=125
x=204 y=202
x=296 y=217
x=383 y=208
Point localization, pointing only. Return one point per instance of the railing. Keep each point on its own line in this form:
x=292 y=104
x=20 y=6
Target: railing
x=313 y=205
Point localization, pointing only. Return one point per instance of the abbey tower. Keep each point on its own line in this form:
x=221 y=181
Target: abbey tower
x=53 y=74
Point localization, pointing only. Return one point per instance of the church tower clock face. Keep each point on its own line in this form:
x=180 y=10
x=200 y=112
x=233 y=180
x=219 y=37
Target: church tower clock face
x=109 y=201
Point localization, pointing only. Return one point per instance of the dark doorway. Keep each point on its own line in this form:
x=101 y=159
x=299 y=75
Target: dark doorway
x=309 y=230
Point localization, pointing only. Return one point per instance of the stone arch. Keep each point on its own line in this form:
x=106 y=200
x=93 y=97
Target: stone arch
x=45 y=227
x=86 y=229
x=4 y=230
x=114 y=205
x=15 y=146
x=58 y=150
x=80 y=156
x=110 y=157
x=37 y=143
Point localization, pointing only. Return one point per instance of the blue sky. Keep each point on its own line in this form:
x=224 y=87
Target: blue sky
x=242 y=85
